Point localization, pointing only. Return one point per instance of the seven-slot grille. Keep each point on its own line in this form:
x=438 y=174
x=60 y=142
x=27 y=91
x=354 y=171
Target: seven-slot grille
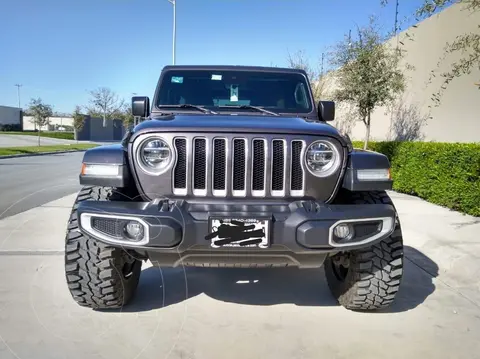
x=238 y=167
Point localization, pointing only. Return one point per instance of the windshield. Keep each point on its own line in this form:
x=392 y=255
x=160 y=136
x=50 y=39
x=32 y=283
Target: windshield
x=275 y=91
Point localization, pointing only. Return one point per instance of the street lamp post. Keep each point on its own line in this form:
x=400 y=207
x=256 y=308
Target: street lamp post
x=18 y=94
x=174 y=3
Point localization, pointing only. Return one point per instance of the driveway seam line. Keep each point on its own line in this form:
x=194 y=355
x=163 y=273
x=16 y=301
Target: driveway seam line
x=14 y=252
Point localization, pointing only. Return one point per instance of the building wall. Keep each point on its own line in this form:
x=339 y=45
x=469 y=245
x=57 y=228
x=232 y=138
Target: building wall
x=10 y=115
x=55 y=122
x=457 y=119
x=93 y=130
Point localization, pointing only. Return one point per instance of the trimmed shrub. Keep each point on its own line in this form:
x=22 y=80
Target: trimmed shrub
x=447 y=174
x=10 y=127
x=51 y=134
x=62 y=135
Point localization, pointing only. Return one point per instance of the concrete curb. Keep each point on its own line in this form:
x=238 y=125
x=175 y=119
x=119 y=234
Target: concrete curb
x=39 y=154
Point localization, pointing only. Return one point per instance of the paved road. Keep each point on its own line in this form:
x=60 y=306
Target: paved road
x=28 y=182
x=21 y=140
x=268 y=314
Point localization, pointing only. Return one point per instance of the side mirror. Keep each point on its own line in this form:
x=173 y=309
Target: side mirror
x=326 y=110
x=140 y=106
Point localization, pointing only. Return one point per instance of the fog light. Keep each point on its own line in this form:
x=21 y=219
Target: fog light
x=134 y=230
x=343 y=231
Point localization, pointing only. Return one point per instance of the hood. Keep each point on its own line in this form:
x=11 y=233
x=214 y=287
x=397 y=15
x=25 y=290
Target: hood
x=237 y=123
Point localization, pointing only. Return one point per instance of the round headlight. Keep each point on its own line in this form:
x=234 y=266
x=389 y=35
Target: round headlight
x=155 y=155
x=322 y=158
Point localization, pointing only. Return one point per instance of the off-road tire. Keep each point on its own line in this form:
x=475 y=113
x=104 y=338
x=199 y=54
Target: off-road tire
x=99 y=276
x=374 y=274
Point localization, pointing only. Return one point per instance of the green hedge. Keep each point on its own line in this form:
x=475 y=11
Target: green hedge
x=447 y=174
x=62 y=135
x=51 y=134
x=8 y=151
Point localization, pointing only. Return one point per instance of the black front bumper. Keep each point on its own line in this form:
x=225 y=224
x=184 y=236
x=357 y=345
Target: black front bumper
x=301 y=231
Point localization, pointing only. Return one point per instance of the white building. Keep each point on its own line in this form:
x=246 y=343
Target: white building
x=55 y=123
x=457 y=118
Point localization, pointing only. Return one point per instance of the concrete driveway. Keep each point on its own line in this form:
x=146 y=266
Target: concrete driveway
x=276 y=314
x=28 y=182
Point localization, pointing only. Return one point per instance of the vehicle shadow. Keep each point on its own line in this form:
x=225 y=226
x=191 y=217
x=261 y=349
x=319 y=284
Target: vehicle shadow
x=161 y=287
x=417 y=283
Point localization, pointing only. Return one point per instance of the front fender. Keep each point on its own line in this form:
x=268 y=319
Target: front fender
x=105 y=157
x=366 y=160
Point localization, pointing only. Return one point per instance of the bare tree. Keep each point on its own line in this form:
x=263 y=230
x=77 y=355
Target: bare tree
x=368 y=74
x=126 y=115
x=41 y=114
x=104 y=103
x=407 y=122
x=316 y=74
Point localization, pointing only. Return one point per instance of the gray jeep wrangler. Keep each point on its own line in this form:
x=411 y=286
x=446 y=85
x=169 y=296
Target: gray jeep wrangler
x=234 y=166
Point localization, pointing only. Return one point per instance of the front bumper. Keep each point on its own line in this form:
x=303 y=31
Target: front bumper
x=301 y=232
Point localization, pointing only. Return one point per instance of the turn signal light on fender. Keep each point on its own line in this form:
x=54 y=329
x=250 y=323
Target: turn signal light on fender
x=99 y=170
x=382 y=174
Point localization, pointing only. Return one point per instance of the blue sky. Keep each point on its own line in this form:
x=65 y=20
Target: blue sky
x=60 y=49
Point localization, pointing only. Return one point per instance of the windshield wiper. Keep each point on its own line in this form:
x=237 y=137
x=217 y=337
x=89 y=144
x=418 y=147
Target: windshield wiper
x=256 y=108
x=200 y=108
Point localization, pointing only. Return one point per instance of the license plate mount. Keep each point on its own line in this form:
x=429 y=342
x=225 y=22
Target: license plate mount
x=239 y=232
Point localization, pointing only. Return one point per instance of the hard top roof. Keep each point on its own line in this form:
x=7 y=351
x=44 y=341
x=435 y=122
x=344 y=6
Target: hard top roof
x=233 y=67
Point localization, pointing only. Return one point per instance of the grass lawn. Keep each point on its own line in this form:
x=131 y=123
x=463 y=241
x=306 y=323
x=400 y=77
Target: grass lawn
x=50 y=134
x=6 y=151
